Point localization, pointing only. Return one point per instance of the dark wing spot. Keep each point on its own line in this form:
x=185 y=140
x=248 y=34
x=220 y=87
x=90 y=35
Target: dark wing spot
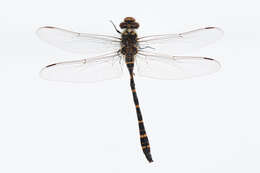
x=50 y=65
x=209 y=59
x=209 y=27
x=49 y=27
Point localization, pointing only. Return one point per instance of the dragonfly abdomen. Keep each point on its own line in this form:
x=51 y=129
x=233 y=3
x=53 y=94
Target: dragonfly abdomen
x=143 y=136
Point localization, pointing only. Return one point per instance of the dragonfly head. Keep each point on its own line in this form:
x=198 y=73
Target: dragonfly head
x=129 y=23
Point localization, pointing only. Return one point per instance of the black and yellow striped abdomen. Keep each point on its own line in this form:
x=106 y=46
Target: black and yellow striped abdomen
x=143 y=136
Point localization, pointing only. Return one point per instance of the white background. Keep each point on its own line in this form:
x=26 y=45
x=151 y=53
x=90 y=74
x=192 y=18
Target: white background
x=200 y=125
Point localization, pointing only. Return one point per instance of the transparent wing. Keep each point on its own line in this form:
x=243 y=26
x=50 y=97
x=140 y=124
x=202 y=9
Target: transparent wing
x=84 y=70
x=82 y=43
x=179 y=43
x=174 y=67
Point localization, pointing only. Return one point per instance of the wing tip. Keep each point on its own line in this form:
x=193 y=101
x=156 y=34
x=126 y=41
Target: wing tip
x=41 y=73
x=39 y=30
x=215 y=61
x=45 y=27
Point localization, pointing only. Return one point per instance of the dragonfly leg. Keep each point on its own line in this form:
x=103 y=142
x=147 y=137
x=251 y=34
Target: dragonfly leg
x=146 y=47
x=115 y=27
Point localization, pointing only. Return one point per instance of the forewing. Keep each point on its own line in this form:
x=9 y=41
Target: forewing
x=174 y=67
x=84 y=70
x=82 y=43
x=180 y=43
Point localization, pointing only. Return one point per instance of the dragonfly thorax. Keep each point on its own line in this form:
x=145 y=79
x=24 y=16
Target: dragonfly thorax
x=129 y=37
x=129 y=42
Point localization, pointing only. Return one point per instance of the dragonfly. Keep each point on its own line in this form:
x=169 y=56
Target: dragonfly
x=149 y=56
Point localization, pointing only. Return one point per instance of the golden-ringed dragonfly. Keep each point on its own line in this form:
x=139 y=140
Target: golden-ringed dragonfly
x=149 y=56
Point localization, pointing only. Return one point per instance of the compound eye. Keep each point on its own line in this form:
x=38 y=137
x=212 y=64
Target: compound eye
x=123 y=25
x=135 y=25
